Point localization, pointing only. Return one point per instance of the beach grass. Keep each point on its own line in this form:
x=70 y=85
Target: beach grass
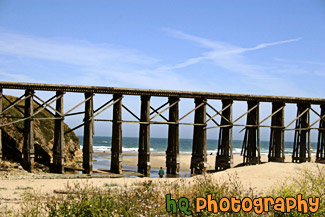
x=148 y=198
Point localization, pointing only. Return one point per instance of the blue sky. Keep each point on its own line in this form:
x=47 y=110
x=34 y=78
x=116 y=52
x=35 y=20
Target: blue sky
x=252 y=46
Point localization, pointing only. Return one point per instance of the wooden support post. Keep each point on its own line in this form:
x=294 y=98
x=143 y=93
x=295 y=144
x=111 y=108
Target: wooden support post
x=251 y=147
x=309 y=139
x=300 y=144
x=283 y=136
x=28 y=148
x=199 y=149
x=59 y=146
x=116 y=159
x=144 y=137
x=224 y=158
x=0 y=124
x=320 y=154
x=88 y=135
x=276 y=151
x=172 y=155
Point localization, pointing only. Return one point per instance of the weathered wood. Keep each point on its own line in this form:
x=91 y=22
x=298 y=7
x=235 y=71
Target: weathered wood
x=172 y=155
x=28 y=147
x=164 y=93
x=197 y=107
x=320 y=153
x=159 y=113
x=212 y=119
x=84 y=101
x=1 y=115
x=250 y=148
x=59 y=146
x=14 y=103
x=102 y=106
x=224 y=158
x=218 y=112
x=103 y=109
x=144 y=137
x=116 y=160
x=128 y=110
x=16 y=107
x=283 y=137
x=299 y=146
x=251 y=144
x=88 y=134
x=276 y=151
x=199 y=149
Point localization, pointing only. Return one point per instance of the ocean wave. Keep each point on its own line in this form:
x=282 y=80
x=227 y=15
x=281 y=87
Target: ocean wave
x=101 y=148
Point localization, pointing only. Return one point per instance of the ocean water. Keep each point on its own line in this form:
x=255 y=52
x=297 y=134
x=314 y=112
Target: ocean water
x=159 y=145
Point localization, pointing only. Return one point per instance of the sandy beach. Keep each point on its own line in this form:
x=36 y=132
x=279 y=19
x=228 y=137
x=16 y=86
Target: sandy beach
x=259 y=177
x=158 y=160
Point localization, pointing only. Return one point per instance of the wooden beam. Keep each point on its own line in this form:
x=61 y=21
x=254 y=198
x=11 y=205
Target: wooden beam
x=59 y=146
x=159 y=113
x=0 y=124
x=224 y=158
x=218 y=112
x=276 y=136
x=28 y=147
x=320 y=153
x=116 y=159
x=144 y=137
x=172 y=155
x=301 y=135
x=88 y=134
x=199 y=149
x=16 y=102
x=16 y=106
x=159 y=93
x=251 y=143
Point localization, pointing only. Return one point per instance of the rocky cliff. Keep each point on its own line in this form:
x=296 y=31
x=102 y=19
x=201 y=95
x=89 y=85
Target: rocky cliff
x=43 y=132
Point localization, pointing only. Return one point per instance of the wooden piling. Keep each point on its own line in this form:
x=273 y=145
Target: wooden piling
x=88 y=135
x=276 y=150
x=59 y=146
x=144 y=137
x=172 y=155
x=320 y=153
x=0 y=124
x=199 y=148
x=224 y=158
x=28 y=147
x=116 y=154
x=301 y=134
x=251 y=147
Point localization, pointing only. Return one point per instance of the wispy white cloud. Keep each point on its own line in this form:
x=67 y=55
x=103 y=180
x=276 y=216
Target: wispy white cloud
x=95 y=64
x=71 y=52
x=13 y=76
x=104 y=64
x=232 y=58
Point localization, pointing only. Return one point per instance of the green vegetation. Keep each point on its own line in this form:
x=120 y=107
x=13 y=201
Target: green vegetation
x=110 y=185
x=148 y=198
x=308 y=184
x=43 y=129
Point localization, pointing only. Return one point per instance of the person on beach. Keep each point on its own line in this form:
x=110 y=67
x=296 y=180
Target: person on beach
x=161 y=172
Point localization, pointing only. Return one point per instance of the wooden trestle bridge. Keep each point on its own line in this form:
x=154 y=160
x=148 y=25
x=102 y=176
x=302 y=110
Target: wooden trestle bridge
x=224 y=156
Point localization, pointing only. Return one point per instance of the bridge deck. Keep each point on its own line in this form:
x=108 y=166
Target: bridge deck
x=163 y=93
